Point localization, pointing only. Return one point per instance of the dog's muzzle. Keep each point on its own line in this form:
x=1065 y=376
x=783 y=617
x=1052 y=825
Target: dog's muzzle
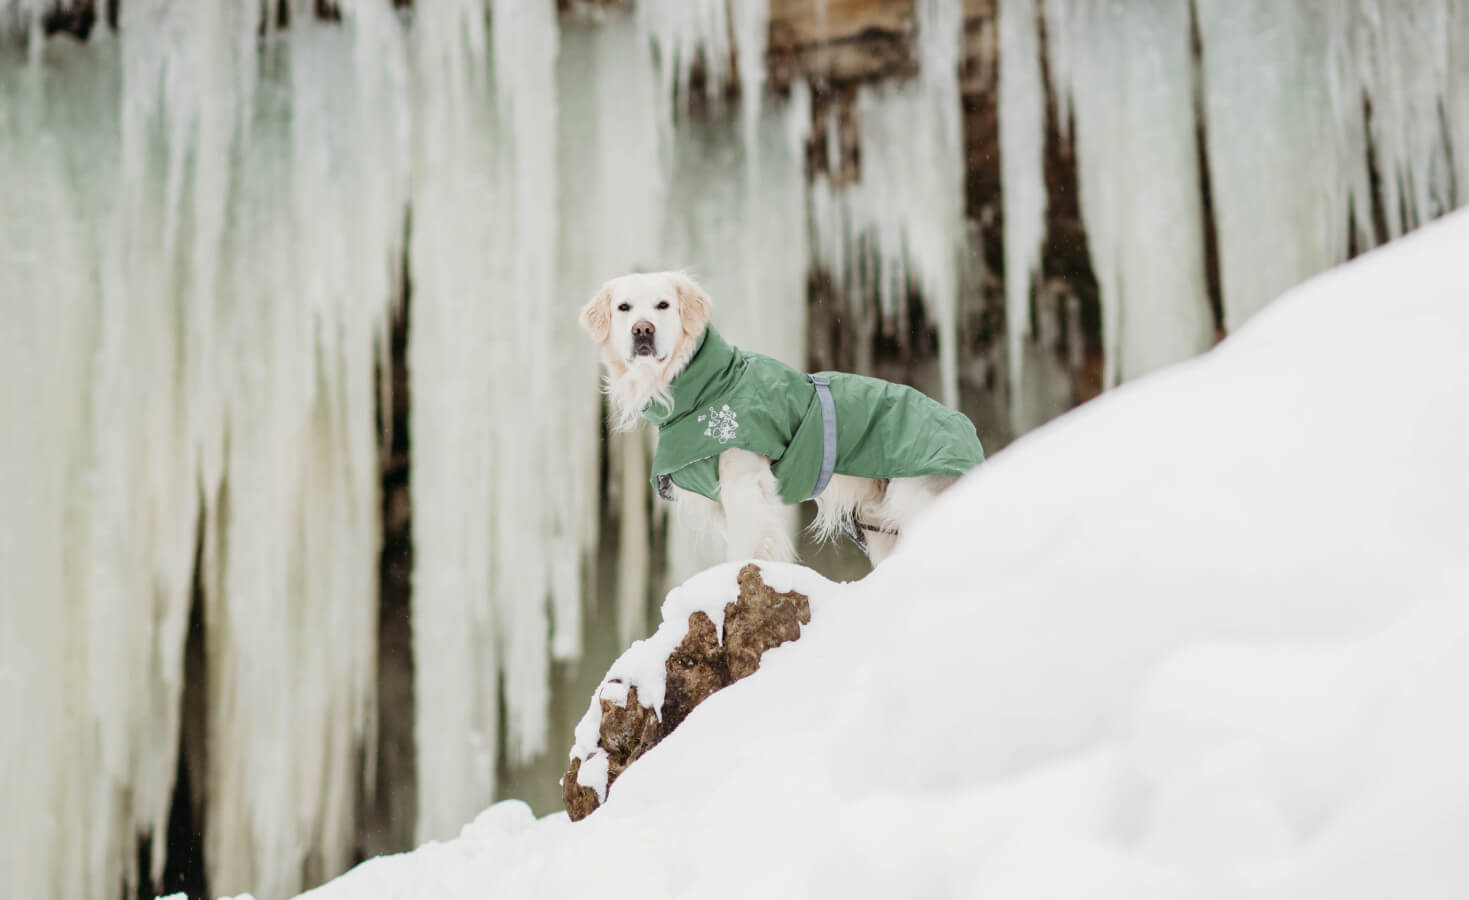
x=643 y=343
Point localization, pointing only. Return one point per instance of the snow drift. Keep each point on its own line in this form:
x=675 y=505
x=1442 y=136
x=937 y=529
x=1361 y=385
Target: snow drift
x=1205 y=636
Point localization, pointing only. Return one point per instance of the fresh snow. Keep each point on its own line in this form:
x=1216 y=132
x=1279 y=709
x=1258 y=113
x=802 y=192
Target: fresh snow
x=1203 y=637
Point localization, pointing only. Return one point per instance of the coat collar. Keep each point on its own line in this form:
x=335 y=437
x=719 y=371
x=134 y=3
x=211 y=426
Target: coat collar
x=710 y=373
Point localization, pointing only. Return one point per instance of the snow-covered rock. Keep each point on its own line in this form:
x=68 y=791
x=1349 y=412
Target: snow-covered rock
x=1207 y=636
x=704 y=644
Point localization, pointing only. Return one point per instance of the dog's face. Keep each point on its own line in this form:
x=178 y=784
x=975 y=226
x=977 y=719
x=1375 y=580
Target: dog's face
x=645 y=320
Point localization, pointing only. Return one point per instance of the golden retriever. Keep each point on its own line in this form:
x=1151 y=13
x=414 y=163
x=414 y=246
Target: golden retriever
x=648 y=326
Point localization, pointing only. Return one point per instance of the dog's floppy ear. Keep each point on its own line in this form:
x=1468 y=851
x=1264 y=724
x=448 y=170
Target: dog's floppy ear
x=694 y=306
x=596 y=316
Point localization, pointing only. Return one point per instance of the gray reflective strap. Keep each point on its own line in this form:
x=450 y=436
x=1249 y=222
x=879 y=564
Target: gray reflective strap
x=828 y=433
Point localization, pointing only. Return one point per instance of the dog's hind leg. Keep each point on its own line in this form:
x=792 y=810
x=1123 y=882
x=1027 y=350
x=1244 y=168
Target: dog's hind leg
x=902 y=501
x=756 y=526
x=838 y=505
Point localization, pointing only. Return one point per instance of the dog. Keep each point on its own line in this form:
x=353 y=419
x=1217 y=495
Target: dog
x=742 y=435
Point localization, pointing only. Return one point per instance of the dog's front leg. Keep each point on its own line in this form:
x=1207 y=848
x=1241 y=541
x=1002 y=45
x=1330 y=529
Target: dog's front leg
x=754 y=517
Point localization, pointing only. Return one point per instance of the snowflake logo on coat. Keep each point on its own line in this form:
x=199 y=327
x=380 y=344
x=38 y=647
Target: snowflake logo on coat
x=723 y=425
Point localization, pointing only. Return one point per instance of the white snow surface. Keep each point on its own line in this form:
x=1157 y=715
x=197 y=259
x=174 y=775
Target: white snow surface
x=1204 y=637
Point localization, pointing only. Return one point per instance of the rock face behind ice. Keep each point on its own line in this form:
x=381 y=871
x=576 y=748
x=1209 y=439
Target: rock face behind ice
x=759 y=619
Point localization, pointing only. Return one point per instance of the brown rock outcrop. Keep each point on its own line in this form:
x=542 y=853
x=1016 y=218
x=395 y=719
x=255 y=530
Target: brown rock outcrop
x=758 y=620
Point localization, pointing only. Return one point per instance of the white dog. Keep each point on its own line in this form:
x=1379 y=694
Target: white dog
x=741 y=435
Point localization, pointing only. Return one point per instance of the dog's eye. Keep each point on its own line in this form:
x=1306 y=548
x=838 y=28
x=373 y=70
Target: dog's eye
x=662 y=304
x=624 y=306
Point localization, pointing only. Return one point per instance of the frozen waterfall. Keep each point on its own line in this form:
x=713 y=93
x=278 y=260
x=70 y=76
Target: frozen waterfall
x=206 y=251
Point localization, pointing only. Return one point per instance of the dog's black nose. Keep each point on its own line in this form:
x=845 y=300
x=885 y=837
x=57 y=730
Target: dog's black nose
x=642 y=338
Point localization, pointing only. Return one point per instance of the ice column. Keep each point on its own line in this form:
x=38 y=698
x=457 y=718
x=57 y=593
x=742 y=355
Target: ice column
x=451 y=358
x=1023 y=178
x=681 y=34
x=1456 y=103
x=504 y=433
x=292 y=277
x=61 y=775
x=1124 y=69
x=534 y=537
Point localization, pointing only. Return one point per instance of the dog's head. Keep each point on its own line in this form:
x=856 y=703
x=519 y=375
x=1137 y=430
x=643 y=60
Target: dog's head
x=648 y=326
x=644 y=319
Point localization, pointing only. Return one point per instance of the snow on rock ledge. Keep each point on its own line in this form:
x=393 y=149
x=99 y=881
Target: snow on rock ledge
x=715 y=629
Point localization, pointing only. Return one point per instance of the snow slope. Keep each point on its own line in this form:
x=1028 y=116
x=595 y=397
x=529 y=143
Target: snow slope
x=1205 y=637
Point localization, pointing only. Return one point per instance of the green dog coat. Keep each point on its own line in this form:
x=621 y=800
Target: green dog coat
x=863 y=426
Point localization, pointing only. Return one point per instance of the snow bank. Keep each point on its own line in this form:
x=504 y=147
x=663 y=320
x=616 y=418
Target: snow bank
x=1204 y=637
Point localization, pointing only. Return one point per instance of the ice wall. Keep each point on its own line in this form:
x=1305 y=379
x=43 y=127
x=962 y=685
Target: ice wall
x=199 y=267
x=1296 y=100
x=1296 y=79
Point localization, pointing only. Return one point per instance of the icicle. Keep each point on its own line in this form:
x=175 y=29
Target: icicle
x=1456 y=103
x=1282 y=180
x=750 y=23
x=683 y=33
x=24 y=19
x=531 y=457
x=751 y=26
x=1022 y=161
x=51 y=769
x=1404 y=54
x=902 y=224
x=1126 y=68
